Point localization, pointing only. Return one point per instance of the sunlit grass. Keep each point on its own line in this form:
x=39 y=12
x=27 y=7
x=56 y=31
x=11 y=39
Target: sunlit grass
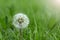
x=44 y=25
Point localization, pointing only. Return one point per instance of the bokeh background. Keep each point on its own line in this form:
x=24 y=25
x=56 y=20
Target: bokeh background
x=44 y=18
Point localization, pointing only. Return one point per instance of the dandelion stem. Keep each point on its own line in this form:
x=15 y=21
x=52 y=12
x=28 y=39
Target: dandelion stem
x=21 y=34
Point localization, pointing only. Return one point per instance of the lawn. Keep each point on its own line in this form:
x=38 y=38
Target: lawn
x=44 y=20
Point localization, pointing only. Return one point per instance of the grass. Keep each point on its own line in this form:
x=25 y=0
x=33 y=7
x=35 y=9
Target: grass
x=43 y=25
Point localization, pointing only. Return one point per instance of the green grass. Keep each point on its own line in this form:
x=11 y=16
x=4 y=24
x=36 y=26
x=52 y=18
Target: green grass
x=43 y=25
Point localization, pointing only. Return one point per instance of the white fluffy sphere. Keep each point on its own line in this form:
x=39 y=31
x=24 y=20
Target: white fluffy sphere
x=20 y=20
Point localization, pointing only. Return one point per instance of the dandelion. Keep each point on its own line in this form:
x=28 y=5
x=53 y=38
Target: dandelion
x=20 y=20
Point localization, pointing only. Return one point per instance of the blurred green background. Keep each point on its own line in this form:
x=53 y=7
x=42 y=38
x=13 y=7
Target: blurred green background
x=44 y=23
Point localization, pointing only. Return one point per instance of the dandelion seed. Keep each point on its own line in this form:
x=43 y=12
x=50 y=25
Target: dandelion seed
x=20 y=20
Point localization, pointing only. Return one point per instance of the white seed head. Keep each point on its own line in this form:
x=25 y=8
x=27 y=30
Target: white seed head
x=20 y=20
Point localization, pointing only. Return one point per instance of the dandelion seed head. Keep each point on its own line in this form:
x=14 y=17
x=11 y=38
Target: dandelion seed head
x=20 y=20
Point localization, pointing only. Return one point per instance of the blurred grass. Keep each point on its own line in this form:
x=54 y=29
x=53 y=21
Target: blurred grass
x=42 y=26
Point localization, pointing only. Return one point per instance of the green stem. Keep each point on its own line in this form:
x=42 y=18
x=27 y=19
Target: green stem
x=21 y=34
